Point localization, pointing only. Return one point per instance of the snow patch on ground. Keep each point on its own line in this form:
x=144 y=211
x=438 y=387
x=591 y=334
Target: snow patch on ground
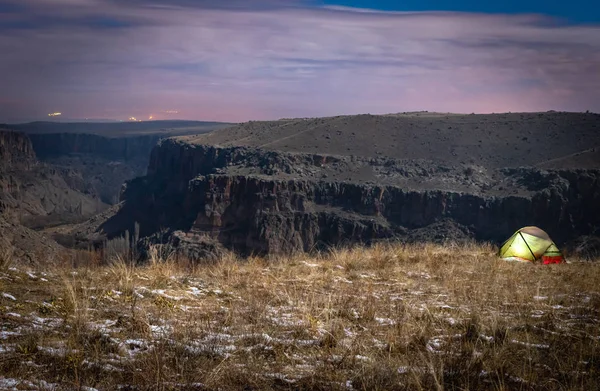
x=385 y=321
x=9 y=296
x=7 y=334
x=531 y=345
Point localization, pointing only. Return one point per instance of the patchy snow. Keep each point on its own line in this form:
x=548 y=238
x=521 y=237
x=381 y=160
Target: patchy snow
x=199 y=348
x=434 y=345
x=132 y=347
x=187 y=308
x=531 y=345
x=342 y=279
x=422 y=275
x=537 y=313
x=161 y=331
x=540 y=298
x=486 y=337
x=6 y=349
x=57 y=352
x=516 y=379
x=385 y=321
x=9 y=296
x=285 y=319
x=6 y=334
x=371 y=276
x=196 y=291
x=104 y=327
x=13 y=314
x=162 y=292
x=9 y=384
x=47 y=322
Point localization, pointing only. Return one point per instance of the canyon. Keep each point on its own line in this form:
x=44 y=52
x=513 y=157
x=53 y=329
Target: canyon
x=55 y=174
x=311 y=184
x=304 y=185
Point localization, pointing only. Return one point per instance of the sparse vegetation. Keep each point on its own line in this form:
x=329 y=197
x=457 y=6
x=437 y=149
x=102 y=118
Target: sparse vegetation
x=388 y=317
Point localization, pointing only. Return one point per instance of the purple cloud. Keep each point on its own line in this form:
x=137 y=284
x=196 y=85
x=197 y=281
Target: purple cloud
x=107 y=59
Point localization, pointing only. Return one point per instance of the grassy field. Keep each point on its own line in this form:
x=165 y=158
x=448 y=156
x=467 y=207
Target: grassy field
x=389 y=317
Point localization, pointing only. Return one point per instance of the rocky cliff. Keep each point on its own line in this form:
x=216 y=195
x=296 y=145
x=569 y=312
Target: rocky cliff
x=257 y=201
x=51 y=145
x=106 y=155
x=31 y=192
x=105 y=163
x=15 y=150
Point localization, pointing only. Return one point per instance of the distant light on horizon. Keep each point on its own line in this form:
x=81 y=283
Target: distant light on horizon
x=135 y=119
x=54 y=114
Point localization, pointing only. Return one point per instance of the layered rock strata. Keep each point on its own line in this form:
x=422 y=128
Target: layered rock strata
x=256 y=201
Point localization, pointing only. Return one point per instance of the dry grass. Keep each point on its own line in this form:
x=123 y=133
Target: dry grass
x=383 y=318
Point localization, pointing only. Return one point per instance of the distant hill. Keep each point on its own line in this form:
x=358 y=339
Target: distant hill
x=552 y=139
x=119 y=129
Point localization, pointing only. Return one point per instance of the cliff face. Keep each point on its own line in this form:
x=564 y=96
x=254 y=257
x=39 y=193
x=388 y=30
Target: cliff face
x=257 y=201
x=121 y=148
x=15 y=150
x=105 y=163
x=32 y=192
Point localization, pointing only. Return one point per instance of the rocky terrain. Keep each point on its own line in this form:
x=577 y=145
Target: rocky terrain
x=306 y=184
x=105 y=154
x=34 y=194
x=53 y=174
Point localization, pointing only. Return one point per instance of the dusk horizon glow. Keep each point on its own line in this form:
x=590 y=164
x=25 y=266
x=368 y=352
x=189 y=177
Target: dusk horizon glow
x=271 y=59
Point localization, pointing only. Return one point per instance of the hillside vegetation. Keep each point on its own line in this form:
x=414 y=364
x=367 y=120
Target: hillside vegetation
x=389 y=317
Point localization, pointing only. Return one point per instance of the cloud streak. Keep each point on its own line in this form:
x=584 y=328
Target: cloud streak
x=103 y=59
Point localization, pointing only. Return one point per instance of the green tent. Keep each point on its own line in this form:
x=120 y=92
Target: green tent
x=530 y=244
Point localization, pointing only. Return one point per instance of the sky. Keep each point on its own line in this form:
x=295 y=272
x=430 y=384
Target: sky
x=239 y=60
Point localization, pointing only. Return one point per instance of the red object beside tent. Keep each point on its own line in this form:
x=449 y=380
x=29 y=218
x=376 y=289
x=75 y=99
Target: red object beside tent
x=547 y=260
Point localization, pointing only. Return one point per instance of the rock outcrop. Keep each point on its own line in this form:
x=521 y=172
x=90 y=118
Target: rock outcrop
x=16 y=150
x=52 y=145
x=256 y=201
x=32 y=192
x=105 y=154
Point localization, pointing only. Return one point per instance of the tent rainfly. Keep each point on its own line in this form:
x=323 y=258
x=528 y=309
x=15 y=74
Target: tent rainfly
x=531 y=244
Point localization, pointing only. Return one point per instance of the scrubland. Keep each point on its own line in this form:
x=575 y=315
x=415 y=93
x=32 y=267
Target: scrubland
x=387 y=317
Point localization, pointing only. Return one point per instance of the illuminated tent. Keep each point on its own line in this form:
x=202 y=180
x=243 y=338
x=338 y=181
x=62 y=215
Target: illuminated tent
x=530 y=244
